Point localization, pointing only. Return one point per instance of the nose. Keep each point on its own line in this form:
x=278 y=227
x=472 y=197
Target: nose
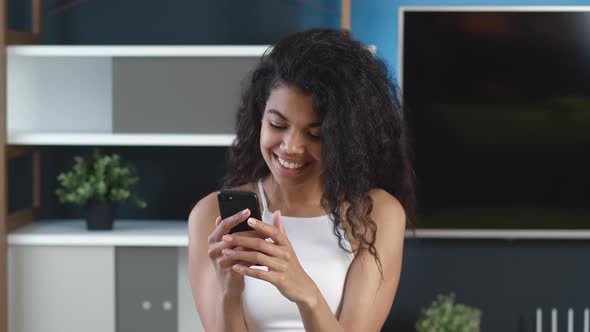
x=292 y=143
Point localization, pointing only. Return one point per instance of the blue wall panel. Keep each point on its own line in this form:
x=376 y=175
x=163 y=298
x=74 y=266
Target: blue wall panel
x=152 y=22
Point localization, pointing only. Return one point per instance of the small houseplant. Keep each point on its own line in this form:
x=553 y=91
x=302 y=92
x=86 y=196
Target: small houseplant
x=444 y=315
x=98 y=183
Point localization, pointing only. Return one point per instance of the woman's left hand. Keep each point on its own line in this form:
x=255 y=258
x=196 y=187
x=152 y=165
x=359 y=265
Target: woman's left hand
x=284 y=270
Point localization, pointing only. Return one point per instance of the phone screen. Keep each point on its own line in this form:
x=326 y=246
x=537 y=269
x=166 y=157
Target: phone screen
x=234 y=201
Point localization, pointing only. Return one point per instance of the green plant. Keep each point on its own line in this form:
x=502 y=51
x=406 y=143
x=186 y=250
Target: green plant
x=98 y=178
x=443 y=315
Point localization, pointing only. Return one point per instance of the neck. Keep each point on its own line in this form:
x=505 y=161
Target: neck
x=293 y=196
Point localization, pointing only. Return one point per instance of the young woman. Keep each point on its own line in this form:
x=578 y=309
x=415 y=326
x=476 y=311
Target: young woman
x=321 y=140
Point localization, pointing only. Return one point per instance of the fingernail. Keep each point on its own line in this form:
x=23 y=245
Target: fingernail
x=245 y=212
x=237 y=268
x=227 y=238
x=251 y=222
x=227 y=252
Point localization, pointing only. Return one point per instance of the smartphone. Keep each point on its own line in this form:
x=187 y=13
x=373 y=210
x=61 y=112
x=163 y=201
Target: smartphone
x=234 y=201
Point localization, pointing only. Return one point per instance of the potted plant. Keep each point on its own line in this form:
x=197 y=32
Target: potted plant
x=98 y=183
x=444 y=315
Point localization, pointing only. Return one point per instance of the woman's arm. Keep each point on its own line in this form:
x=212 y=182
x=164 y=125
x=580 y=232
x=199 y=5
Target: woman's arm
x=367 y=297
x=219 y=309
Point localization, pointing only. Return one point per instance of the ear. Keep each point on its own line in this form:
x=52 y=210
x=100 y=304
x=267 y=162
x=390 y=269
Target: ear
x=276 y=221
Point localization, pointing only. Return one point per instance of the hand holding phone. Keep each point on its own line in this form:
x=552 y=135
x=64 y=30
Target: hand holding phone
x=234 y=201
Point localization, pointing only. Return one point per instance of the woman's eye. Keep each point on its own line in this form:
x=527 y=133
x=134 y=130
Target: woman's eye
x=276 y=126
x=315 y=136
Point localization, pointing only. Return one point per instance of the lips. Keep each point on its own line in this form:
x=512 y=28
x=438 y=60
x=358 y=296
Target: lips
x=290 y=167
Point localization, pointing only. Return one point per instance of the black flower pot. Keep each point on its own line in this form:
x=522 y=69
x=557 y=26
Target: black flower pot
x=100 y=215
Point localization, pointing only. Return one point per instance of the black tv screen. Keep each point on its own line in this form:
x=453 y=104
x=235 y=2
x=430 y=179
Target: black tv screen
x=498 y=102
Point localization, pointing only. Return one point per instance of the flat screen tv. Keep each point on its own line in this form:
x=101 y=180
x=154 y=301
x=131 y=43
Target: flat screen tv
x=498 y=101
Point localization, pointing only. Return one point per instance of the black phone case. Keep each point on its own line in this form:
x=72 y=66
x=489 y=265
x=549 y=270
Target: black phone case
x=234 y=201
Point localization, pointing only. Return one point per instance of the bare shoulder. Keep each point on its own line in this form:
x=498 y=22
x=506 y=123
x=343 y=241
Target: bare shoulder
x=387 y=210
x=207 y=202
x=387 y=213
x=202 y=217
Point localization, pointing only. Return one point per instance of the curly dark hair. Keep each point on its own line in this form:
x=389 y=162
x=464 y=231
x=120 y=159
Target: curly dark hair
x=364 y=136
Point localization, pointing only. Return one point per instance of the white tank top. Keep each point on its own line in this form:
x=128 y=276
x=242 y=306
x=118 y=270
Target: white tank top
x=316 y=247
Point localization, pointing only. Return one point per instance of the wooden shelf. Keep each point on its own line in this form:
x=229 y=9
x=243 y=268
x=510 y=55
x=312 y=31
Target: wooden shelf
x=116 y=139
x=137 y=51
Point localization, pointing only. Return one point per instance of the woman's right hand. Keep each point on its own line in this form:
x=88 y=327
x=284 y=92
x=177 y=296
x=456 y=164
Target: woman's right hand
x=231 y=281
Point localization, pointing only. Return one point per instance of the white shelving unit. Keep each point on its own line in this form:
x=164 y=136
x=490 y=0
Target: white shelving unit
x=110 y=95
x=72 y=232
x=110 y=51
x=77 y=95
x=114 y=139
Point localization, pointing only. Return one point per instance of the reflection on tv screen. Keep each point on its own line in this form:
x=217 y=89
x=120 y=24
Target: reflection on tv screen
x=499 y=106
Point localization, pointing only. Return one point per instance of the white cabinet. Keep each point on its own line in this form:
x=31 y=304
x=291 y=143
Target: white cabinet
x=63 y=278
x=61 y=288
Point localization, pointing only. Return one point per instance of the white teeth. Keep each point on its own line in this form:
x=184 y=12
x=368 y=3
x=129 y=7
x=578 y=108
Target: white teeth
x=288 y=164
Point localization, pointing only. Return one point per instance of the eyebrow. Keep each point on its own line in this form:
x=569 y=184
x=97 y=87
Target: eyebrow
x=282 y=116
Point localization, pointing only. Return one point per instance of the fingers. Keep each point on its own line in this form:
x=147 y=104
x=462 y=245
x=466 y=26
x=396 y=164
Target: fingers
x=226 y=224
x=269 y=276
x=251 y=234
x=254 y=257
x=229 y=223
x=224 y=260
x=271 y=231
x=216 y=245
x=216 y=248
x=254 y=244
x=276 y=220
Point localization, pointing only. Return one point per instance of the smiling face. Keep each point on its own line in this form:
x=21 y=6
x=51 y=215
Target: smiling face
x=290 y=137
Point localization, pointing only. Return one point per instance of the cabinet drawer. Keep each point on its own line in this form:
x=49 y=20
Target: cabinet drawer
x=146 y=283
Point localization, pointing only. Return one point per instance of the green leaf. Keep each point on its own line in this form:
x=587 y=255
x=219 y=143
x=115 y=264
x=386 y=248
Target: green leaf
x=98 y=178
x=443 y=315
